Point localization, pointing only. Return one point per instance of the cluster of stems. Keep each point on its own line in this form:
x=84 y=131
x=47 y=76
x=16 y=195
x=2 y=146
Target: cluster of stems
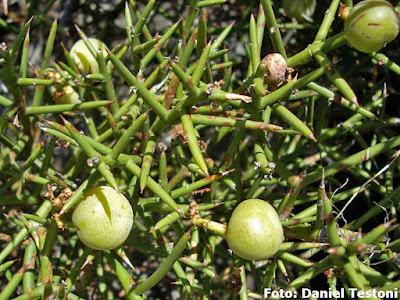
x=186 y=130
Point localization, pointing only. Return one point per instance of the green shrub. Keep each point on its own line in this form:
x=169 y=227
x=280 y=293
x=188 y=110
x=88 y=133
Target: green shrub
x=181 y=116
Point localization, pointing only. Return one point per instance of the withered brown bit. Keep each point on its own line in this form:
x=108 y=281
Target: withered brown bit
x=275 y=73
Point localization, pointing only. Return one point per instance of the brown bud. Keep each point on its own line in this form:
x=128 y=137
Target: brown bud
x=275 y=73
x=343 y=11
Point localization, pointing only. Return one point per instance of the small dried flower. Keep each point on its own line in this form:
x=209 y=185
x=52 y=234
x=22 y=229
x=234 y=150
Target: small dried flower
x=275 y=73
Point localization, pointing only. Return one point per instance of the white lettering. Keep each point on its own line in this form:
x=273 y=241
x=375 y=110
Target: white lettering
x=392 y=294
x=276 y=294
x=267 y=292
x=336 y=294
x=382 y=294
x=389 y=294
x=329 y=294
x=288 y=294
x=324 y=294
x=353 y=292
x=305 y=293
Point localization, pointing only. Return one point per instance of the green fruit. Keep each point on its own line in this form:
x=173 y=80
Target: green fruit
x=254 y=230
x=64 y=95
x=370 y=25
x=61 y=93
x=84 y=59
x=299 y=9
x=103 y=218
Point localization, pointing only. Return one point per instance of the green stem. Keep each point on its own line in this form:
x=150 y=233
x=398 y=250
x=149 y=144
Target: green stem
x=164 y=267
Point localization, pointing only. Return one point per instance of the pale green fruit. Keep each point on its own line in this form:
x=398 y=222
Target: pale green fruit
x=103 y=218
x=84 y=59
x=254 y=231
x=299 y=9
x=370 y=25
x=64 y=95
x=61 y=92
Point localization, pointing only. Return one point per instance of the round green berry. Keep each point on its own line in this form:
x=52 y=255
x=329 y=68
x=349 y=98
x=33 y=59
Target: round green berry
x=254 y=231
x=84 y=59
x=299 y=9
x=370 y=25
x=103 y=218
x=61 y=93
x=64 y=94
